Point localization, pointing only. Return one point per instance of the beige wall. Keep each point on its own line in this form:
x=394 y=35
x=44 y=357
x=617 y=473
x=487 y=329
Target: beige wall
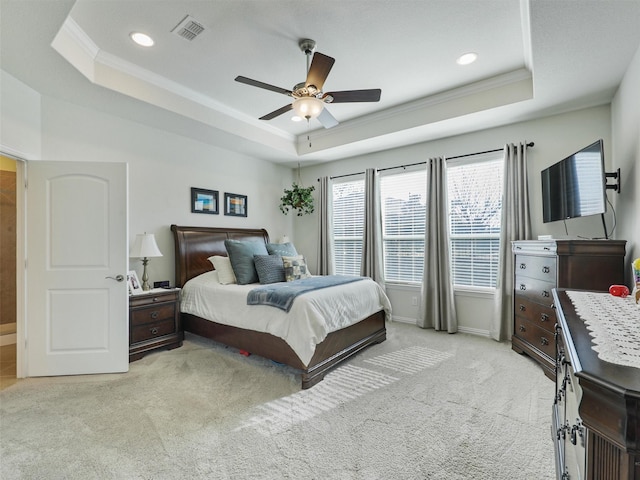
x=625 y=113
x=555 y=137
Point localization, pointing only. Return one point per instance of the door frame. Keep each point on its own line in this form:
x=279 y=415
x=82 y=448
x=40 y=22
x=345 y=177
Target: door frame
x=21 y=213
x=21 y=266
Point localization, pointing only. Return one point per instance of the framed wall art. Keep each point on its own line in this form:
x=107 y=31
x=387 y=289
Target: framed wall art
x=235 y=205
x=204 y=201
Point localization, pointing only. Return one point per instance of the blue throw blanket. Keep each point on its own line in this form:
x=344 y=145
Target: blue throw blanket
x=281 y=295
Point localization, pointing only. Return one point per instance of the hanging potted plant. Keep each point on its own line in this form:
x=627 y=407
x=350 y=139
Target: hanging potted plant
x=297 y=198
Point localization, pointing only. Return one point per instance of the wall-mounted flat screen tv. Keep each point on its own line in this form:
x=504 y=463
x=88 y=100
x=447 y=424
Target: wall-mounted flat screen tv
x=575 y=186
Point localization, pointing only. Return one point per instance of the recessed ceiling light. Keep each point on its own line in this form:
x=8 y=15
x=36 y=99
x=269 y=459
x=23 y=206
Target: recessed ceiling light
x=142 y=39
x=296 y=118
x=467 y=58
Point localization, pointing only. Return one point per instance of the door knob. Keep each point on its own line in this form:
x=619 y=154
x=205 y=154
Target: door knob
x=117 y=278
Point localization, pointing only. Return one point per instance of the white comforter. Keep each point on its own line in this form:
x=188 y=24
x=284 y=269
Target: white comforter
x=312 y=316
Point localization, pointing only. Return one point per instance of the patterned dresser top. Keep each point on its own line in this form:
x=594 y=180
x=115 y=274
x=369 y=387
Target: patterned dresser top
x=613 y=323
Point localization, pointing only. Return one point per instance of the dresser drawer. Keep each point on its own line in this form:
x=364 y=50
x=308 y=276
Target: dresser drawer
x=141 y=333
x=536 y=290
x=538 y=267
x=537 y=337
x=152 y=314
x=542 y=315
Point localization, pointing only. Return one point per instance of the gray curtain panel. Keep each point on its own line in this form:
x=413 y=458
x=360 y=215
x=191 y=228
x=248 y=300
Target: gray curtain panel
x=516 y=225
x=437 y=309
x=372 y=252
x=325 y=247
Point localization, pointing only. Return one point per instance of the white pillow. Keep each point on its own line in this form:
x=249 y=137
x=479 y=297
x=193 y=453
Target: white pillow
x=224 y=269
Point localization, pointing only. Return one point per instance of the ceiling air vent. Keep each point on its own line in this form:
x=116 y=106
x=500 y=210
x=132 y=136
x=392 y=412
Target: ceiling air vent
x=188 y=28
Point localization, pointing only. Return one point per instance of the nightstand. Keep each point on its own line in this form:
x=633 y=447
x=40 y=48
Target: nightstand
x=154 y=322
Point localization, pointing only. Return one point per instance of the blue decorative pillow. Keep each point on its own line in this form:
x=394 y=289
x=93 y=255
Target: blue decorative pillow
x=241 y=254
x=282 y=249
x=270 y=268
x=295 y=268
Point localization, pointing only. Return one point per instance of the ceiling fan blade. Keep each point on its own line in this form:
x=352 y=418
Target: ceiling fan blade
x=266 y=86
x=326 y=119
x=319 y=70
x=345 y=96
x=278 y=112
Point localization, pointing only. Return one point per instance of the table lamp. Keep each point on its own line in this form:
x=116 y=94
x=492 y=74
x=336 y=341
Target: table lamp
x=145 y=246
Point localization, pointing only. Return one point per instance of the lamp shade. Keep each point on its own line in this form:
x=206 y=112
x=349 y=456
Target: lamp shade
x=308 y=107
x=145 y=246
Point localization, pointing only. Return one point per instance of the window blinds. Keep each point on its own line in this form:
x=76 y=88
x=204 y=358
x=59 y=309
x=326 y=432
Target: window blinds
x=475 y=208
x=403 y=204
x=348 y=222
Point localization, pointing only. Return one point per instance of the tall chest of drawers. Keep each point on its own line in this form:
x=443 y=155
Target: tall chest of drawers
x=539 y=267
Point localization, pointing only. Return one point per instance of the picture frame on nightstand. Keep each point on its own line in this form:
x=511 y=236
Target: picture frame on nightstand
x=135 y=287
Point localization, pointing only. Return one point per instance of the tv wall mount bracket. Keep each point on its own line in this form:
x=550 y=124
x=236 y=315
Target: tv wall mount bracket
x=615 y=186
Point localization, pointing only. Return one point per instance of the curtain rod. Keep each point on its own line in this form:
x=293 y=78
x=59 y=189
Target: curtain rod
x=530 y=144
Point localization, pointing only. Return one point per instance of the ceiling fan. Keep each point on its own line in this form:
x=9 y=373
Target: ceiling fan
x=308 y=98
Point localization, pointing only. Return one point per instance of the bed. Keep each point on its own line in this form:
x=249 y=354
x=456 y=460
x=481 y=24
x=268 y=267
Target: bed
x=193 y=247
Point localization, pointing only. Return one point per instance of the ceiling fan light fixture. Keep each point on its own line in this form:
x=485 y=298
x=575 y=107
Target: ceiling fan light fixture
x=308 y=107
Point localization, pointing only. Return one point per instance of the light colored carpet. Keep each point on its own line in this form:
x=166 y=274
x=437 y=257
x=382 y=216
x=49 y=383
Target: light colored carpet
x=422 y=405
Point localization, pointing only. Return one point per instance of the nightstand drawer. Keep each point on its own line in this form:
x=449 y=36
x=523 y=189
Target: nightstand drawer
x=142 y=300
x=153 y=330
x=152 y=314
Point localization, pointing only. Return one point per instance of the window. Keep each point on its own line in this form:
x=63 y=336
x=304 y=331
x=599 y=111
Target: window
x=403 y=204
x=348 y=222
x=474 y=188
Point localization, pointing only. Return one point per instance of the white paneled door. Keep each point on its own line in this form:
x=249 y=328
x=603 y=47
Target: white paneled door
x=77 y=300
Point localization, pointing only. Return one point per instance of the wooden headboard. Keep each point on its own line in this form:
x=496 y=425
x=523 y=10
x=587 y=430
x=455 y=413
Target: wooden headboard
x=194 y=245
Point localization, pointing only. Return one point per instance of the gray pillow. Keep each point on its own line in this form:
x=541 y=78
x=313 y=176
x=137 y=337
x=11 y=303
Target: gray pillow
x=282 y=249
x=241 y=254
x=270 y=268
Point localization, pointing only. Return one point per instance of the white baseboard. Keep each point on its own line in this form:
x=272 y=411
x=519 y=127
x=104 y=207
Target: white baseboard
x=411 y=321
x=474 y=331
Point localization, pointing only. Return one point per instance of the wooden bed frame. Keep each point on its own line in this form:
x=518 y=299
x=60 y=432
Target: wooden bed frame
x=193 y=247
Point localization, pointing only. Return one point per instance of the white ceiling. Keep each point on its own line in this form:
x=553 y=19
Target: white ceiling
x=536 y=57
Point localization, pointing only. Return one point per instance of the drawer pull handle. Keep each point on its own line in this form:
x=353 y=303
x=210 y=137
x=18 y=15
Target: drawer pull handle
x=154 y=315
x=522 y=329
x=545 y=293
x=523 y=266
x=155 y=299
x=523 y=286
x=544 y=341
x=544 y=317
x=154 y=331
x=522 y=308
x=546 y=269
